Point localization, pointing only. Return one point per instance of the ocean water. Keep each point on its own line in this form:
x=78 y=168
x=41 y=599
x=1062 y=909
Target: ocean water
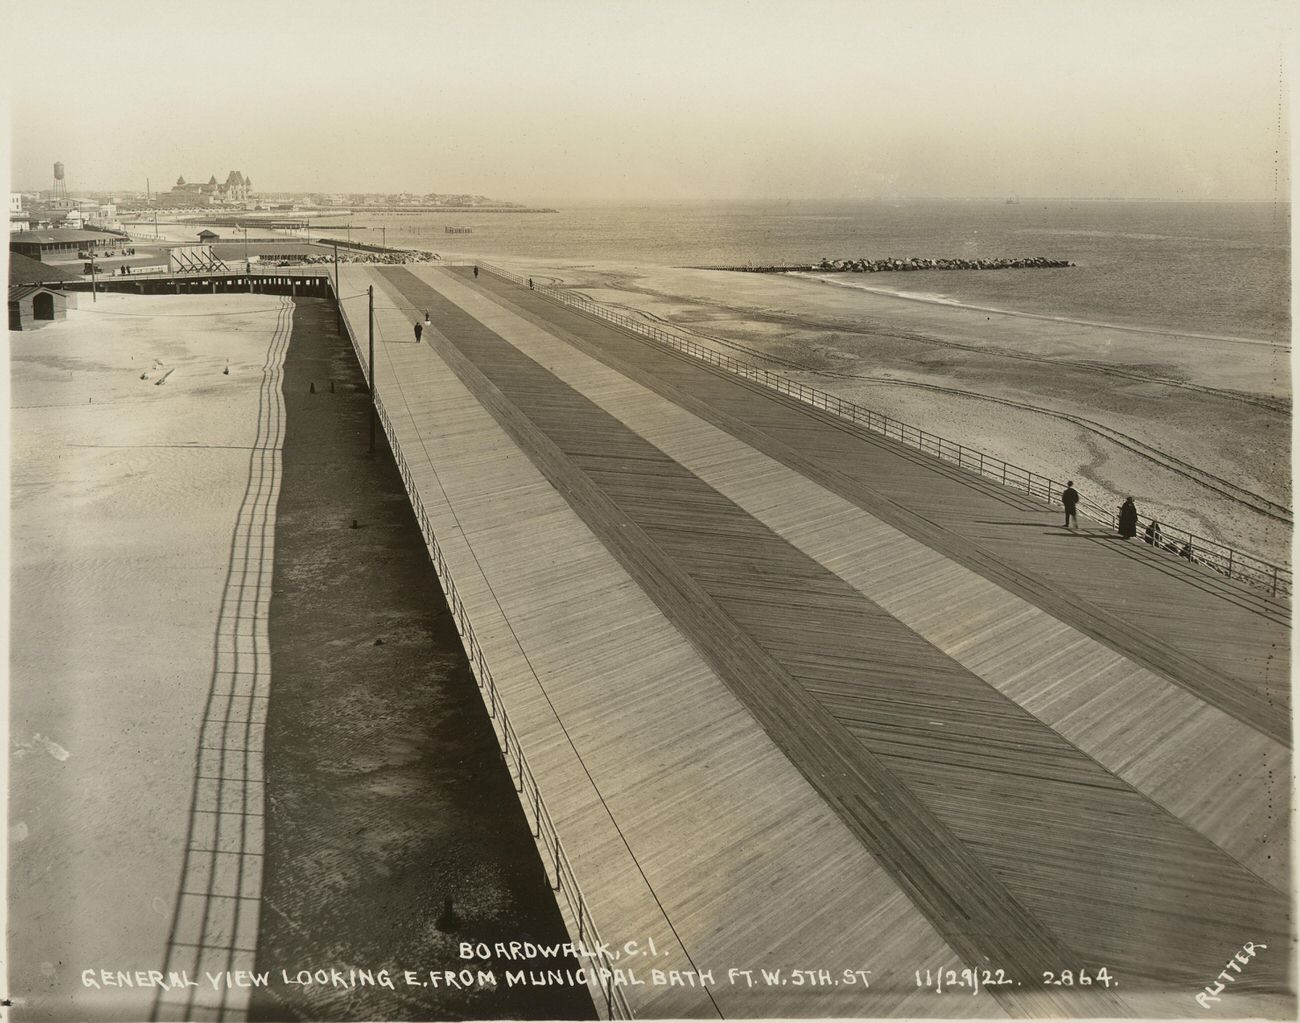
x=1207 y=268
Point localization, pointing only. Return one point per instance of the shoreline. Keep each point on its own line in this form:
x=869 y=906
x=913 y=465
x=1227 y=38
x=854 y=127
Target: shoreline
x=942 y=300
x=1183 y=402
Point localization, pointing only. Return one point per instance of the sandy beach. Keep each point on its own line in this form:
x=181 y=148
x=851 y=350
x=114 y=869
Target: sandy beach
x=124 y=495
x=179 y=536
x=1114 y=408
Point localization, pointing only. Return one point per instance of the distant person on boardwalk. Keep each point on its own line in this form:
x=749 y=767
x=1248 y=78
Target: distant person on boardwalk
x=1070 y=498
x=1152 y=534
x=476 y=272
x=530 y=284
x=1186 y=552
x=419 y=329
x=1128 y=519
x=426 y=316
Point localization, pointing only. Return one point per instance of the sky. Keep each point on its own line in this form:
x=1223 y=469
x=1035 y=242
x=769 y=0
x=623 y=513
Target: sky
x=554 y=101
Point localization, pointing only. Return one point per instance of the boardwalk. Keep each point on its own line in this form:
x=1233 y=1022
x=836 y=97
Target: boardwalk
x=797 y=697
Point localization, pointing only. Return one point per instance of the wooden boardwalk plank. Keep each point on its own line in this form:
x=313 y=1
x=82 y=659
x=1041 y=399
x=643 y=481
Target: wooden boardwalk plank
x=1223 y=778
x=1178 y=616
x=639 y=713
x=558 y=430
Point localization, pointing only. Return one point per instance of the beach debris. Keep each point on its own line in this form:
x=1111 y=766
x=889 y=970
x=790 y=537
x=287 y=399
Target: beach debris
x=226 y=371
x=41 y=742
x=355 y=525
x=378 y=642
x=447 y=920
x=163 y=379
x=313 y=388
x=331 y=387
x=144 y=375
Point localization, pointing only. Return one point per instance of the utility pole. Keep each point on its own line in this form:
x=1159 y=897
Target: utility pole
x=384 y=233
x=93 y=298
x=371 y=291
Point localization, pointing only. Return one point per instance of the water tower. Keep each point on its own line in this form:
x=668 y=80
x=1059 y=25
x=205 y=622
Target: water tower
x=60 y=190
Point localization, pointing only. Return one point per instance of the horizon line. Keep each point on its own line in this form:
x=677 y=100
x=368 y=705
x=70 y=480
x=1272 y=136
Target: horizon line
x=630 y=201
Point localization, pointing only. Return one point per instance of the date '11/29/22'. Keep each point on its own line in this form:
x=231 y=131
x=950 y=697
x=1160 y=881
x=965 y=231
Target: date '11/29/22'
x=972 y=980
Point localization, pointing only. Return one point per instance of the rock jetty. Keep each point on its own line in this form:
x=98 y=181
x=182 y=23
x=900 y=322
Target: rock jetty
x=393 y=256
x=890 y=264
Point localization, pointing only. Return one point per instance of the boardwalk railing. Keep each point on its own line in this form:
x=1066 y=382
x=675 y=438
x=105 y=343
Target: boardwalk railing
x=1275 y=579
x=600 y=970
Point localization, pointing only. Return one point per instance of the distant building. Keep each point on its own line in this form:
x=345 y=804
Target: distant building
x=55 y=244
x=105 y=215
x=15 y=202
x=61 y=219
x=236 y=190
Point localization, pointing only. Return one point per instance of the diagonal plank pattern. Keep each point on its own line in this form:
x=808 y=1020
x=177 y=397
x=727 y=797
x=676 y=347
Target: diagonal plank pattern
x=1215 y=773
x=956 y=775
x=682 y=820
x=1214 y=636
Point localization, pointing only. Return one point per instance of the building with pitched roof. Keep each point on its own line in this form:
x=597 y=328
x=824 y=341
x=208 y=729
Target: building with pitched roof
x=58 y=243
x=35 y=295
x=236 y=189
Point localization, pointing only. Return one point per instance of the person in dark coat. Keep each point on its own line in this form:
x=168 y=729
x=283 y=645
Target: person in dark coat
x=476 y=273
x=1152 y=534
x=1070 y=499
x=419 y=329
x=1128 y=519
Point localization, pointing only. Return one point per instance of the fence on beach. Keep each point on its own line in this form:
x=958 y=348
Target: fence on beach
x=1272 y=578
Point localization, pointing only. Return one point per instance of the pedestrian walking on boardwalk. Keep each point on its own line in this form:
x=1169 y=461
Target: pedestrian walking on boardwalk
x=426 y=316
x=476 y=272
x=1152 y=534
x=1128 y=519
x=1070 y=498
x=530 y=284
x=419 y=329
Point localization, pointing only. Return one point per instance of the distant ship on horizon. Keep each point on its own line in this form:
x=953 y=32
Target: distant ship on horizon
x=1013 y=201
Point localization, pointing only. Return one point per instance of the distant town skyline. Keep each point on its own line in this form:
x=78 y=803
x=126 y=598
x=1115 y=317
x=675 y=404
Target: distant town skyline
x=719 y=100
